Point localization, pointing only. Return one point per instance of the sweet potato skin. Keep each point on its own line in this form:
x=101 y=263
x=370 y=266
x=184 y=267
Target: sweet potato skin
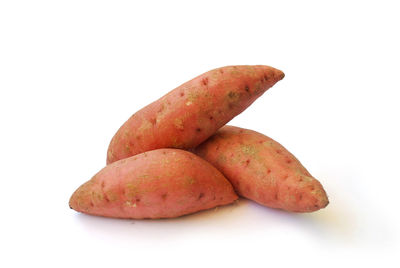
x=192 y=112
x=262 y=170
x=162 y=183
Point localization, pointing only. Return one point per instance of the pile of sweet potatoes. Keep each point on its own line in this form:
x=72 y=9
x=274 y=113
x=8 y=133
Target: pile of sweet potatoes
x=175 y=156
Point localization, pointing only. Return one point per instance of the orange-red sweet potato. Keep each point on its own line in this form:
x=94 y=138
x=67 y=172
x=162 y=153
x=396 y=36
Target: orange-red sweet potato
x=262 y=170
x=163 y=183
x=192 y=112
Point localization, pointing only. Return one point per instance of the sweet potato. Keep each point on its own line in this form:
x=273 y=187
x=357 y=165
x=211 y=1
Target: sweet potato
x=262 y=170
x=162 y=183
x=192 y=112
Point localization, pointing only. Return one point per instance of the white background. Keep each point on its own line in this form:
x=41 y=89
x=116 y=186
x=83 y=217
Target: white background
x=71 y=72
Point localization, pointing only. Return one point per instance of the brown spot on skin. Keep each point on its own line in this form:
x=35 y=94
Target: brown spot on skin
x=163 y=197
x=278 y=151
x=102 y=185
x=300 y=180
x=164 y=152
x=285 y=177
x=201 y=195
x=268 y=171
x=106 y=198
x=300 y=196
x=127 y=148
x=137 y=200
x=182 y=94
x=312 y=188
x=204 y=81
x=260 y=142
x=153 y=121
x=198 y=129
x=138 y=137
x=211 y=118
x=266 y=77
x=247 y=162
x=247 y=88
x=221 y=71
x=276 y=196
x=288 y=161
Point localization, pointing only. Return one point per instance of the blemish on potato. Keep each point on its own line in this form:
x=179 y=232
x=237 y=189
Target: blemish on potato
x=131 y=190
x=127 y=148
x=192 y=96
x=178 y=123
x=221 y=158
x=189 y=180
x=161 y=108
x=249 y=149
x=153 y=121
x=130 y=204
x=146 y=124
x=111 y=196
